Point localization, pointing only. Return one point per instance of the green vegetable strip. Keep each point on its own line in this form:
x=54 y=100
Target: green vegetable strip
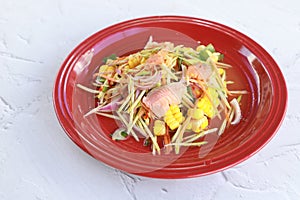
x=239 y=98
x=187 y=144
x=140 y=125
x=181 y=132
x=230 y=117
x=108 y=115
x=222 y=127
x=188 y=101
x=101 y=94
x=94 y=109
x=155 y=145
x=174 y=138
x=169 y=72
x=132 y=101
x=138 y=100
x=88 y=89
x=130 y=126
x=199 y=135
x=126 y=124
x=125 y=102
x=221 y=84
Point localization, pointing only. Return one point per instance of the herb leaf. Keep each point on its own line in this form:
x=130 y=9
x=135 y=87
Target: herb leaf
x=111 y=57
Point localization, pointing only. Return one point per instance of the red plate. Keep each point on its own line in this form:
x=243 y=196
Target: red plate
x=263 y=109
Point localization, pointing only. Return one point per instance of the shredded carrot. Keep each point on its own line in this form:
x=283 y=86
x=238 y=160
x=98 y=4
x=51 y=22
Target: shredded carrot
x=167 y=140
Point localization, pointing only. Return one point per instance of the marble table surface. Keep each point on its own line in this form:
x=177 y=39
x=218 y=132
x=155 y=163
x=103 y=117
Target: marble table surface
x=38 y=160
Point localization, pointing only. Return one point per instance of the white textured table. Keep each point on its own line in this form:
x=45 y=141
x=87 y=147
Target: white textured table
x=38 y=160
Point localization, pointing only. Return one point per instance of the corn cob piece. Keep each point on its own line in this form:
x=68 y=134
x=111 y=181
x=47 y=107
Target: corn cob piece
x=134 y=60
x=173 y=117
x=206 y=105
x=199 y=121
x=159 y=128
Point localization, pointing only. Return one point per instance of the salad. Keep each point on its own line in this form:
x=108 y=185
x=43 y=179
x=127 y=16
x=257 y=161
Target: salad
x=167 y=93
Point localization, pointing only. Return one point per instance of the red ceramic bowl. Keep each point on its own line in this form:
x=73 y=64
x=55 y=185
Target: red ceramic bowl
x=254 y=70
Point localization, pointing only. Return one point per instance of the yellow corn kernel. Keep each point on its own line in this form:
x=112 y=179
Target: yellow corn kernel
x=204 y=123
x=133 y=61
x=195 y=113
x=169 y=119
x=206 y=106
x=179 y=117
x=221 y=71
x=173 y=117
x=199 y=125
x=168 y=113
x=159 y=128
x=106 y=69
x=196 y=125
x=143 y=60
x=174 y=109
x=196 y=128
x=173 y=125
x=110 y=69
x=189 y=126
x=103 y=68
